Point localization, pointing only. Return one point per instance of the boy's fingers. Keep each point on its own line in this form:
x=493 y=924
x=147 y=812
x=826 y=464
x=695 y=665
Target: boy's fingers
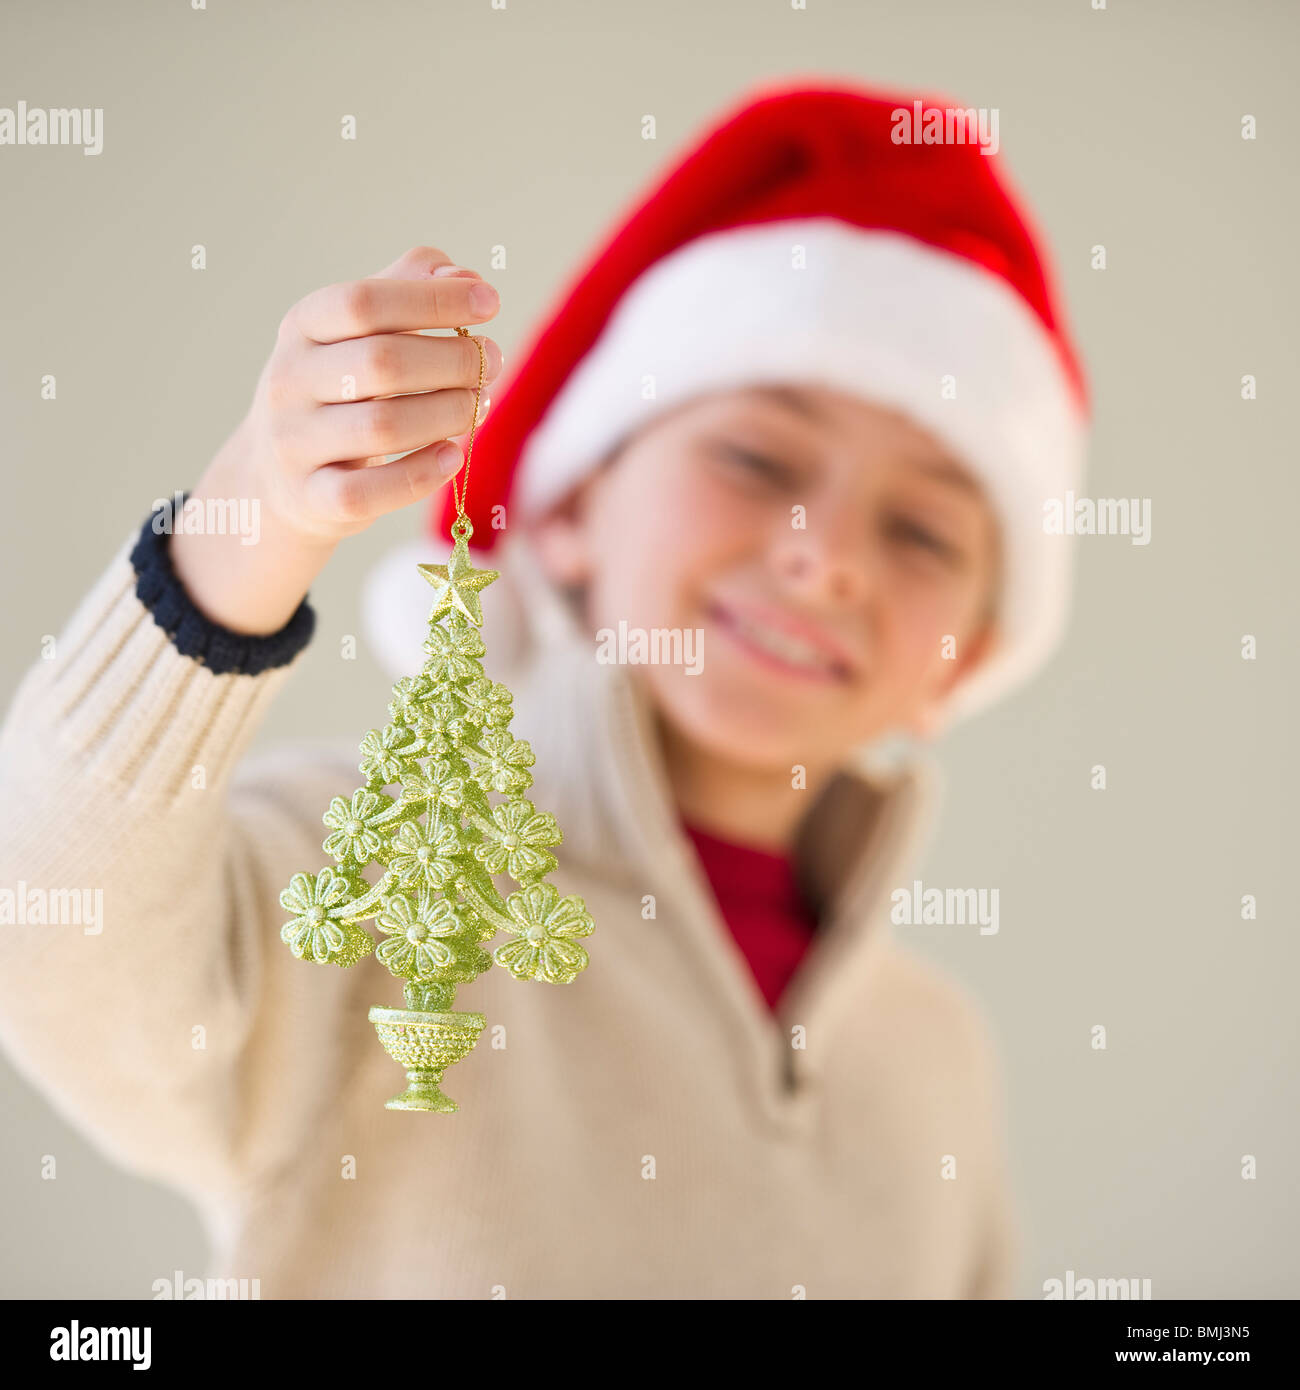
x=418 y=264
x=392 y=364
x=350 y=493
x=375 y=429
x=358 y=308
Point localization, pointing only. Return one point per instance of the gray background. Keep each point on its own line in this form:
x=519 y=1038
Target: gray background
x=522 y=127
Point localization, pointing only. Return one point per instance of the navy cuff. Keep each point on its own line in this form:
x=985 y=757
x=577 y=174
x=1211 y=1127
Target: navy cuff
x=218 y=648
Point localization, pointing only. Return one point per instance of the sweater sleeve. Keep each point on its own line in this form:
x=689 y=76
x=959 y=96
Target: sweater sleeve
x=143 y=984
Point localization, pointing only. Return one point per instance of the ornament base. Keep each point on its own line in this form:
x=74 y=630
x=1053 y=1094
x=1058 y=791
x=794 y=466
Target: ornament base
x=426 y=1044
x=423 y=1094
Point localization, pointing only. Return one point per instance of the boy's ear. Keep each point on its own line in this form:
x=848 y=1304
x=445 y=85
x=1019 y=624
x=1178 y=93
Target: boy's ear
x=971 y=653
x=559 y=538
x=560 y=534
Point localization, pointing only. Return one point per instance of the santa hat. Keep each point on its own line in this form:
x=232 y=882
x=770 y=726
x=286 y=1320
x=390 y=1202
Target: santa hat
x=820 y=234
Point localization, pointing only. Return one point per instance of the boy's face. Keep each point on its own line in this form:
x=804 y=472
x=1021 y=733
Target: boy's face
x=825 y=548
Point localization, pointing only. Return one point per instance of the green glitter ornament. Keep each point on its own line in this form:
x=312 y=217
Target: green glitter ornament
x=426 y=815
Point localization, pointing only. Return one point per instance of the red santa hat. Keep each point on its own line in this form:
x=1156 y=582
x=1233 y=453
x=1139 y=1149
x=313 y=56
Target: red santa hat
x=819 y=234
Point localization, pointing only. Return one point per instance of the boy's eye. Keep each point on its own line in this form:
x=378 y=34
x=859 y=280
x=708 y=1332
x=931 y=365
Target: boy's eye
x=759 y=464
x=915 y=534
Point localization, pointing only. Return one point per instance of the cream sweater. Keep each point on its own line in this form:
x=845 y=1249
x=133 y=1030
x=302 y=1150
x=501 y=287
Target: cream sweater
x=650 y=1130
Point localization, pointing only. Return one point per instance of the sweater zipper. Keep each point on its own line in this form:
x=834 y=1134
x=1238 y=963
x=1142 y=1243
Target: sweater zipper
x=789 y=1075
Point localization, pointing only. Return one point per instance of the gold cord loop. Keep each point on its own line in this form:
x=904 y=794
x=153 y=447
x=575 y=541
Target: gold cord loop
x=462 y=527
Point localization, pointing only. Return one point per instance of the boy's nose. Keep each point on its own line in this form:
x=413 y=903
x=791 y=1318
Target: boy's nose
x=826 y=565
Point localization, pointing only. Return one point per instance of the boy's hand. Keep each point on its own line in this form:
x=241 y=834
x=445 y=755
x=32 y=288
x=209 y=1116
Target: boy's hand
x=351 y=380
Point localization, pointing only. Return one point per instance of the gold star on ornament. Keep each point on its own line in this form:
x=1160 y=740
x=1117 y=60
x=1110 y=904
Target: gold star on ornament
x=457 y=584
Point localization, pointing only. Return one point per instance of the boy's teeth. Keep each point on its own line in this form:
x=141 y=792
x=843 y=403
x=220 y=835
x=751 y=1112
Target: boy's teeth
x=782 y=644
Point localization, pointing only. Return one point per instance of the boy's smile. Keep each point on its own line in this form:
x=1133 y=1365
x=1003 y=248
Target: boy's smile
x=839 y=564
x=779 y=641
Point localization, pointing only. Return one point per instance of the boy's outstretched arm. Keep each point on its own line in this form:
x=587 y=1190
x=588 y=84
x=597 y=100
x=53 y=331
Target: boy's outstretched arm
x=137 y=938
x=143 y=982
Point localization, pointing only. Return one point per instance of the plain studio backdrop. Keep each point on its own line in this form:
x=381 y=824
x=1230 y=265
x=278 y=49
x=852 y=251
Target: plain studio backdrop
x=521 y=127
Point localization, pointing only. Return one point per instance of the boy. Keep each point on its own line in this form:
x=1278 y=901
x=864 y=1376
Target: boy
x=805 y=405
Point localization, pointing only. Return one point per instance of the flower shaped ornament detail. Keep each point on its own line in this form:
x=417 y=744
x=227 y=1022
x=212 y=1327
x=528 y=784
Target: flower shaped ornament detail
x=354 y=834
x=453 y=653
x=423 y=858
x=504 y=761
x=516 y=840
x=545 y=926
x=315 y=933
x=418 y=933
x=387 y=753
x=439 y=784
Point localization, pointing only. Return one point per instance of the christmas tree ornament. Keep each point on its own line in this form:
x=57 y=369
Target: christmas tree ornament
x=443 y=811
